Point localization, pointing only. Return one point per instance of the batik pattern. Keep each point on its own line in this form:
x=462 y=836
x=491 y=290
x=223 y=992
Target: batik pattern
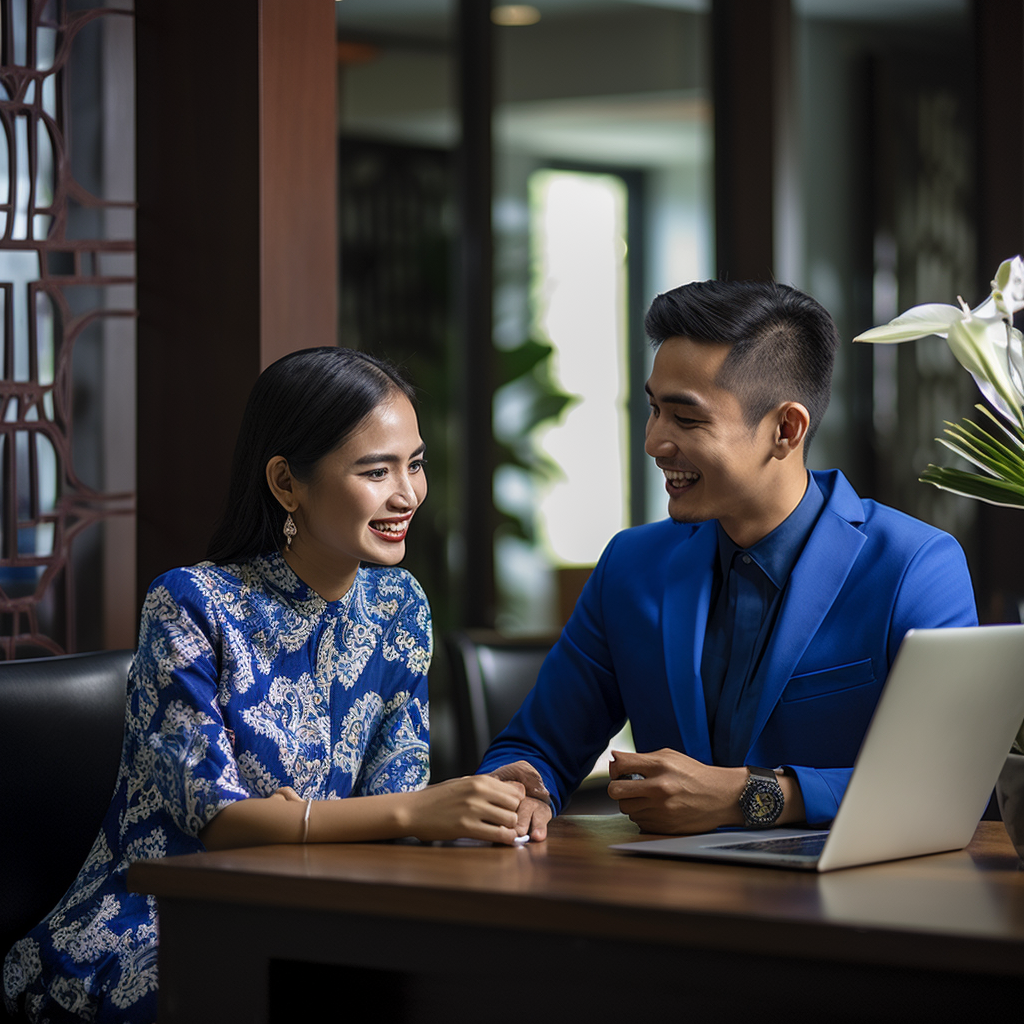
x=245 y=680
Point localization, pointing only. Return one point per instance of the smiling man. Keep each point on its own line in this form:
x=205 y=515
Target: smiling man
x=747 y=637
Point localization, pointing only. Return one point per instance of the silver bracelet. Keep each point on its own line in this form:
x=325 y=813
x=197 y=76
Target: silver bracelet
x=305 y=820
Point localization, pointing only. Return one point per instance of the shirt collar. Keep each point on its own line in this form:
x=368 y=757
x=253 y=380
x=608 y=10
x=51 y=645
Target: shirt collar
x=777 y=553
x=280 y=579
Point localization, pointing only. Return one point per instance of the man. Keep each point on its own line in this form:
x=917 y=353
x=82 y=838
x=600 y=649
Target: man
x=748 y=637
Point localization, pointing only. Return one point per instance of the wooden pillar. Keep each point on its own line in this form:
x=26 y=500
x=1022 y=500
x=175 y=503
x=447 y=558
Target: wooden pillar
x=474 y=309
x=999 y=62
x=753 y=151
x=237 y=253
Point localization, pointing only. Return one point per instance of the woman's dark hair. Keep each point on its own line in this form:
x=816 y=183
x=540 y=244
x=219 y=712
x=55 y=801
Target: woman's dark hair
x=783 y=342
x=302 y=407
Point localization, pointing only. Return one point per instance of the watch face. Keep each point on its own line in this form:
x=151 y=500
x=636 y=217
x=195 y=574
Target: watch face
x=761 y=802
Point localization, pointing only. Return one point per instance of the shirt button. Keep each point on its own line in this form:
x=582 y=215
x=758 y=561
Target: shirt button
x=746 y=559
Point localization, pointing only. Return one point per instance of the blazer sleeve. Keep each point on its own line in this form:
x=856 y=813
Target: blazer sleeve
x=935 y=592
x=574 y=708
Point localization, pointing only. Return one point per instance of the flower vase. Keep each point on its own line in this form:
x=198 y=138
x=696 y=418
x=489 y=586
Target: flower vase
x=1010 y=794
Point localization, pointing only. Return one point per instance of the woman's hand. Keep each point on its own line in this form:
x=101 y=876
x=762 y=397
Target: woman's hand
x=471 y=807
x=474 y=807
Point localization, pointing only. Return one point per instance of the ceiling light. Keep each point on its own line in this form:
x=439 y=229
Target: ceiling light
x=515 y=14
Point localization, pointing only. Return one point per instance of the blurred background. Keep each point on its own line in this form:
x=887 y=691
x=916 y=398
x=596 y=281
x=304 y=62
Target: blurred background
x=489 y=195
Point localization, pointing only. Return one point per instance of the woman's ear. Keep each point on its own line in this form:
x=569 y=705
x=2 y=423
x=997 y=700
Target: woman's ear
x=791 y=424
x=282 y=483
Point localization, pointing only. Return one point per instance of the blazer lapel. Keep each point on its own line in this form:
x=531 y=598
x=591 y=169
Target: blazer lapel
x=813 y=586
x=687 y=599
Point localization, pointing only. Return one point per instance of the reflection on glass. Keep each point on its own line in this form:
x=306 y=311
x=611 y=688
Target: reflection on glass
x=44 y=165
x=5 y=178
x=19 y=269
x=46 y=467
x=23 y=176
x=50 y=95
x=46 y=48
x=46 y=347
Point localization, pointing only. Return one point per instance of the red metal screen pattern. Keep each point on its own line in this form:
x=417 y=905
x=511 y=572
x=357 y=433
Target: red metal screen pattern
x=44 y=272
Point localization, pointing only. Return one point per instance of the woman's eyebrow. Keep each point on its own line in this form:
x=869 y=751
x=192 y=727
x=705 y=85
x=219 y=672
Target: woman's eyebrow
x=366 y=460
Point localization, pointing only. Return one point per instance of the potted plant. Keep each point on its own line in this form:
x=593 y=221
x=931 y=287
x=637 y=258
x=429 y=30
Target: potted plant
x=989 y=347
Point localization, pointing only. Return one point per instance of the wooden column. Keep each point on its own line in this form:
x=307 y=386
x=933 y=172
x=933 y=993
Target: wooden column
x=237 y=254
x=751 y=85
x=999 y=61
x=475 y=288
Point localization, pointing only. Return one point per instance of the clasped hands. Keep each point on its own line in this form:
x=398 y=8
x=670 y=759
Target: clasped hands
x=676 y=795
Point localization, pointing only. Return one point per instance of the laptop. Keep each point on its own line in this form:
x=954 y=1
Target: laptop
x=948 y=713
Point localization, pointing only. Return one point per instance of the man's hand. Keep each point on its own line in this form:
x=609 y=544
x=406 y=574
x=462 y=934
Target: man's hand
x=535 y=807
x=677 y=794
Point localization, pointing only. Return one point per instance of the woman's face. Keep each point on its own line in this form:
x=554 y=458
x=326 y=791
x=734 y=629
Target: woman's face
x=362 y=496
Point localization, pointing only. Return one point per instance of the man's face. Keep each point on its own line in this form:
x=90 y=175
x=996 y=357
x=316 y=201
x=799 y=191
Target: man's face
x=715 y=465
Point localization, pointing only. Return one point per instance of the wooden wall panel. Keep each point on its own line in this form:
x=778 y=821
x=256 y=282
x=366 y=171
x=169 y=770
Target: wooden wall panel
x=236 y=238
x=752 y=94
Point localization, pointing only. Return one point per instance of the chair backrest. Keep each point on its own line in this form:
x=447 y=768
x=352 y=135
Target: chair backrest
x=491 y=674
x=61 y=729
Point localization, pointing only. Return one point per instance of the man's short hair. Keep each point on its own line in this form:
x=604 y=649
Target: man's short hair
x=783 y=341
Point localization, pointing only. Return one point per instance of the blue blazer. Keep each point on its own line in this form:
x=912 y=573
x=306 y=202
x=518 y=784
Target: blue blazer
x=632 y=648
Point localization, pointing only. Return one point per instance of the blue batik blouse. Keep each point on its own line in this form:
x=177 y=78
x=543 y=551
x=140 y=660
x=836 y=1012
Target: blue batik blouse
x=245 y=680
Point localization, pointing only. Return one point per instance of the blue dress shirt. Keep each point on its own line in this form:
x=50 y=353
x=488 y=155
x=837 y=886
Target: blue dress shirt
x=745 y=600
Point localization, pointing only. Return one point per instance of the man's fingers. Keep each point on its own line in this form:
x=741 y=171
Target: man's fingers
x=533 y=819
x=524 y=773
x=525 y=815
x=539 y=823
x=626 y=762
x=625 y=789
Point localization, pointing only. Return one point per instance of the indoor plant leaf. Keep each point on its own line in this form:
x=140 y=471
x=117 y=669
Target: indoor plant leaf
x=973 y=485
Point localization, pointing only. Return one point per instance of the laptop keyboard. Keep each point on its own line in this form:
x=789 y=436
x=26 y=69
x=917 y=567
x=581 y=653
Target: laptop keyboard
x=804 y=846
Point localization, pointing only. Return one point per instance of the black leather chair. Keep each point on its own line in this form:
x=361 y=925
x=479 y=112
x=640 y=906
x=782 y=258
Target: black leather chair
x=491 y=674
x=61 y=727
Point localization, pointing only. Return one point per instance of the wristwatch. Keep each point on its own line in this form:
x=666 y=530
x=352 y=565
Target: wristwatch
x=761 y=800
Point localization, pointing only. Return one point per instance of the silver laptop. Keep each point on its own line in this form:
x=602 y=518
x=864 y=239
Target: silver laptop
x=938 y=738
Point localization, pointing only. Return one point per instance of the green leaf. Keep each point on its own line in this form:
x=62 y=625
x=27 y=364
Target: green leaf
x=548 y=407
x=514 y=363
x=972 y=485
x=1016 y=435
x=919 y=322
x=985 y=451
x=997 y=469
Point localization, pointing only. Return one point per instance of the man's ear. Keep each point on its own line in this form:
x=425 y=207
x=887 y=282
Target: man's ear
x=791 y=423
x=282 y=483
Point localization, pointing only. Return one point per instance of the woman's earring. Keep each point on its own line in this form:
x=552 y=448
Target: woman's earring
x=289 y=530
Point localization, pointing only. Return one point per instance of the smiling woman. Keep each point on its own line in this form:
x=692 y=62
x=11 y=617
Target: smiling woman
x=358 y=505
x=279 y=691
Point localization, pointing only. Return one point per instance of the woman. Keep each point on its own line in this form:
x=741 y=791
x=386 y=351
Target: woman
x=270 y=682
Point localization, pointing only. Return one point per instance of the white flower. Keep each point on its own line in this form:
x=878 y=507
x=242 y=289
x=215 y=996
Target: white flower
x=983 y=339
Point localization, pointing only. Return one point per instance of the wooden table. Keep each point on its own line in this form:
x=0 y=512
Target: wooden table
x=566 y=930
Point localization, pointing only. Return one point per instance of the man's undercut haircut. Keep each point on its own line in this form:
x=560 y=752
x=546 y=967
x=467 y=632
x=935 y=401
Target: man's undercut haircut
x=783 y=342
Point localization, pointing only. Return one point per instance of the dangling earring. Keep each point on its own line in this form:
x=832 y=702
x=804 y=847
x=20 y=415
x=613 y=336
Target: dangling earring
x=289 y=530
